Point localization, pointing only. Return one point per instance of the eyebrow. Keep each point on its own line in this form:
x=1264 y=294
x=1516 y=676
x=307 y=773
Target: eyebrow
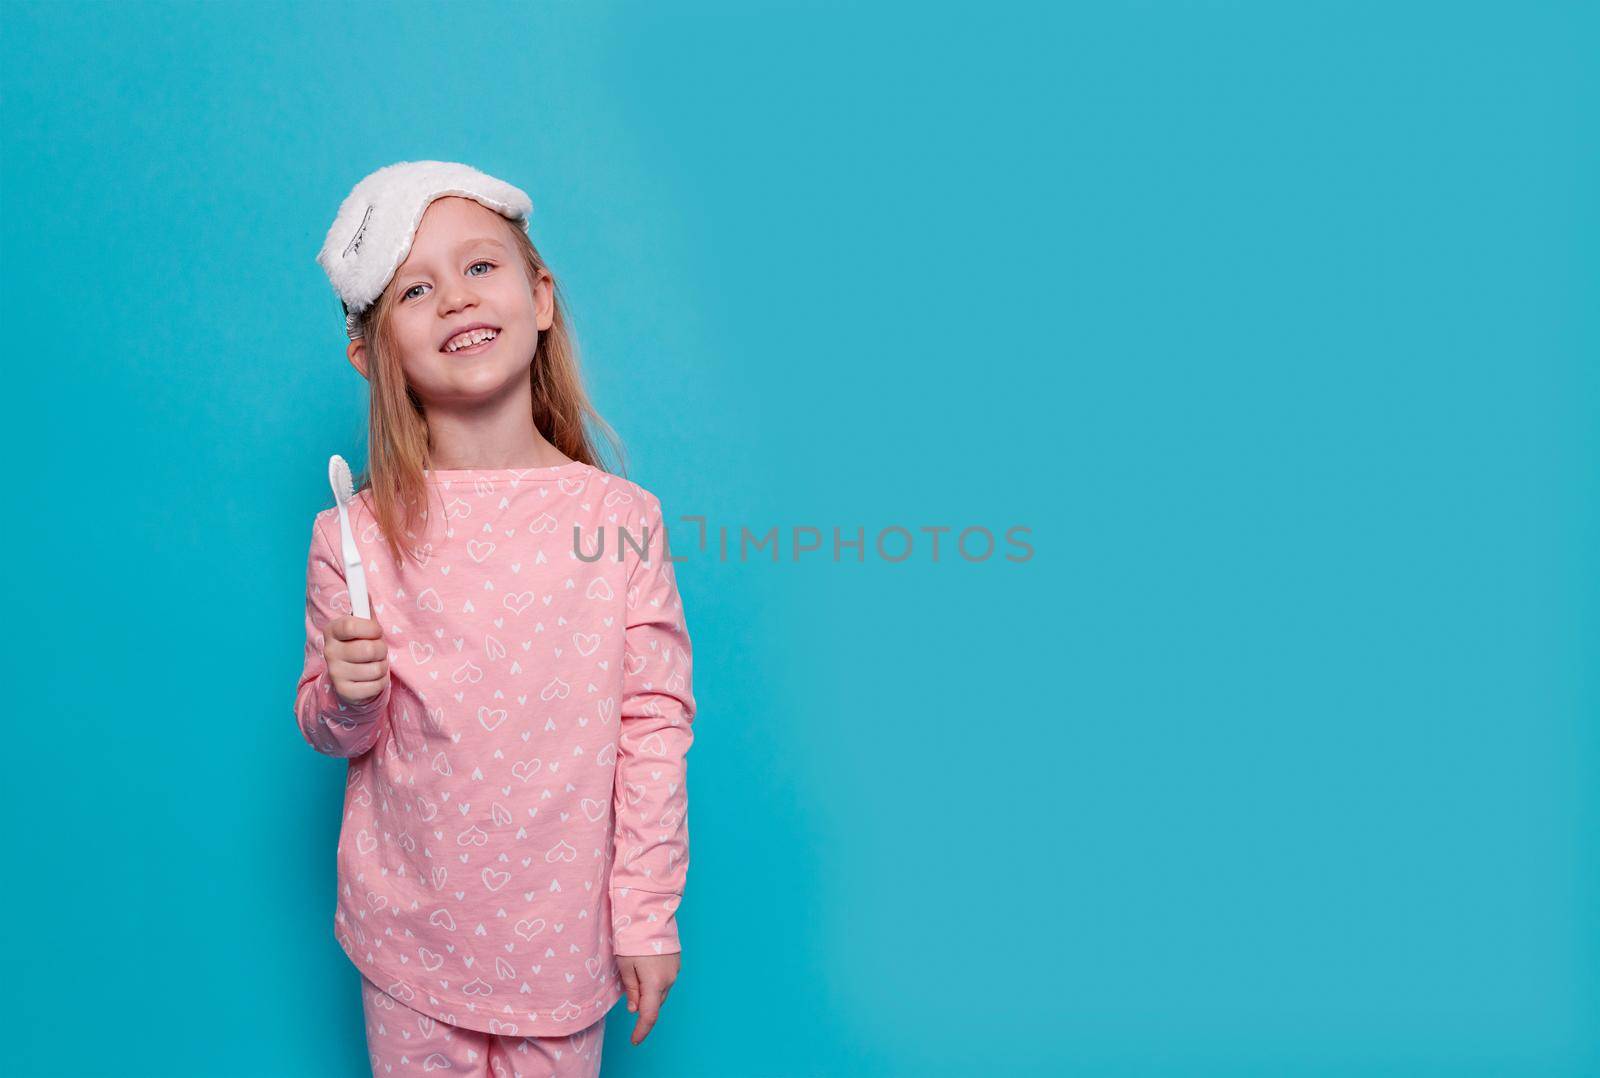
x=462 y=246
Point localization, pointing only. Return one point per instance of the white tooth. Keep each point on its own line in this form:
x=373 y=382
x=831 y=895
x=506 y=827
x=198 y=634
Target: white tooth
x=467 y=340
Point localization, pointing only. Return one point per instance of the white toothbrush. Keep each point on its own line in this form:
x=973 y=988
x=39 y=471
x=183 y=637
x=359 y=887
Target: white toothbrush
x=355 y=577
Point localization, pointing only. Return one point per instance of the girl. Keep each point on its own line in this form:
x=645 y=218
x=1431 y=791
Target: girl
x=517 y=710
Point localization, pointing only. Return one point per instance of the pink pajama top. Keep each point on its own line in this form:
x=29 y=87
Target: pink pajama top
x=515 y=809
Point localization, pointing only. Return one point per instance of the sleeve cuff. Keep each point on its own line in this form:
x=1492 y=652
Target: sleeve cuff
x=644 y=922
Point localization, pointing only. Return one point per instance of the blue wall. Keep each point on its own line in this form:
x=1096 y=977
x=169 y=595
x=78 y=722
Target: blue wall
x=1274 y=324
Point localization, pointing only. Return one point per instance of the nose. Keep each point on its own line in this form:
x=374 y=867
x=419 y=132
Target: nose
x=454 y=297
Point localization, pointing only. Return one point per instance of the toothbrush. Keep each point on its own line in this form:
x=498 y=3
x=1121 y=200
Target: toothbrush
x=355 y=577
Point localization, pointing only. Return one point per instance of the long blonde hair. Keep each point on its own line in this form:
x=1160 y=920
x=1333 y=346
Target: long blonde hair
x=397 y=427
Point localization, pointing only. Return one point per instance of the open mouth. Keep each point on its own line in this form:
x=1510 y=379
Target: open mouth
x=471 y=343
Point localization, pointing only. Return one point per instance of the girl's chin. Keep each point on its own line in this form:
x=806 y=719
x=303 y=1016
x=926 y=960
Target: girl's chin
x=468 y=380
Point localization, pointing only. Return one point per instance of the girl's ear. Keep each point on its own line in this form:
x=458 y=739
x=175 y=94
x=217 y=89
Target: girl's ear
x=544 y=303
x=358 y=355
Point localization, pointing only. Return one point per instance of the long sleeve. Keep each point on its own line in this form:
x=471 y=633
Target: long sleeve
x=329 y=724
x=651 y=798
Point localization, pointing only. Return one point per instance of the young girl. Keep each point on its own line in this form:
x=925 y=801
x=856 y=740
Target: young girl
x=517 y=710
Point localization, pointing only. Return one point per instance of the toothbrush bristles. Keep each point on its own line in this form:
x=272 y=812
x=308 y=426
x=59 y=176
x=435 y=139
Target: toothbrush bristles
x=339 y=478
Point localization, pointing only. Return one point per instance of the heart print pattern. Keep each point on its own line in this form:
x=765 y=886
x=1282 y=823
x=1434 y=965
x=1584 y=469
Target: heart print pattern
x=516 y=807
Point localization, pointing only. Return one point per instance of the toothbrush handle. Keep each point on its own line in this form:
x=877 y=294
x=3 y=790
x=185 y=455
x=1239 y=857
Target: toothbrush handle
x=355 y=576
x=358 y=589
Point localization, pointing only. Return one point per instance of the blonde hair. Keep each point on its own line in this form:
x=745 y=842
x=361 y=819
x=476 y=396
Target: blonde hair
x=397 y=426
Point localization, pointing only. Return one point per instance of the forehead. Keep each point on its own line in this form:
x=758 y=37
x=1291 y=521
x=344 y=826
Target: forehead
x=448 y=222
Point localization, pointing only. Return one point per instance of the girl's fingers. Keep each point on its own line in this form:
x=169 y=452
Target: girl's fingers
x=367 y=651
x=359 y=673
x=650 y=998
x=350 y=627
x=363 y=651
x=630 y=983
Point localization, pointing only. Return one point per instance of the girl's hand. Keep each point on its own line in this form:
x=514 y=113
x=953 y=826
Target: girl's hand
x=647 y=978
x=357 y=658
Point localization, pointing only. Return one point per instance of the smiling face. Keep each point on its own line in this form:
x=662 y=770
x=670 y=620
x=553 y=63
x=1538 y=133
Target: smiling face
x=463 y=270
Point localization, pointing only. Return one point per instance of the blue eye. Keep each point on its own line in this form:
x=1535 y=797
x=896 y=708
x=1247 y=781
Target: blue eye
x=481 y=262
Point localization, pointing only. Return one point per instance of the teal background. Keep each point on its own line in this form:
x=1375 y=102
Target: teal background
x=1275 y=323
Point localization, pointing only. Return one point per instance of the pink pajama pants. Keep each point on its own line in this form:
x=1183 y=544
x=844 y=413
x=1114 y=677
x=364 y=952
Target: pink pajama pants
x=401 y=1041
